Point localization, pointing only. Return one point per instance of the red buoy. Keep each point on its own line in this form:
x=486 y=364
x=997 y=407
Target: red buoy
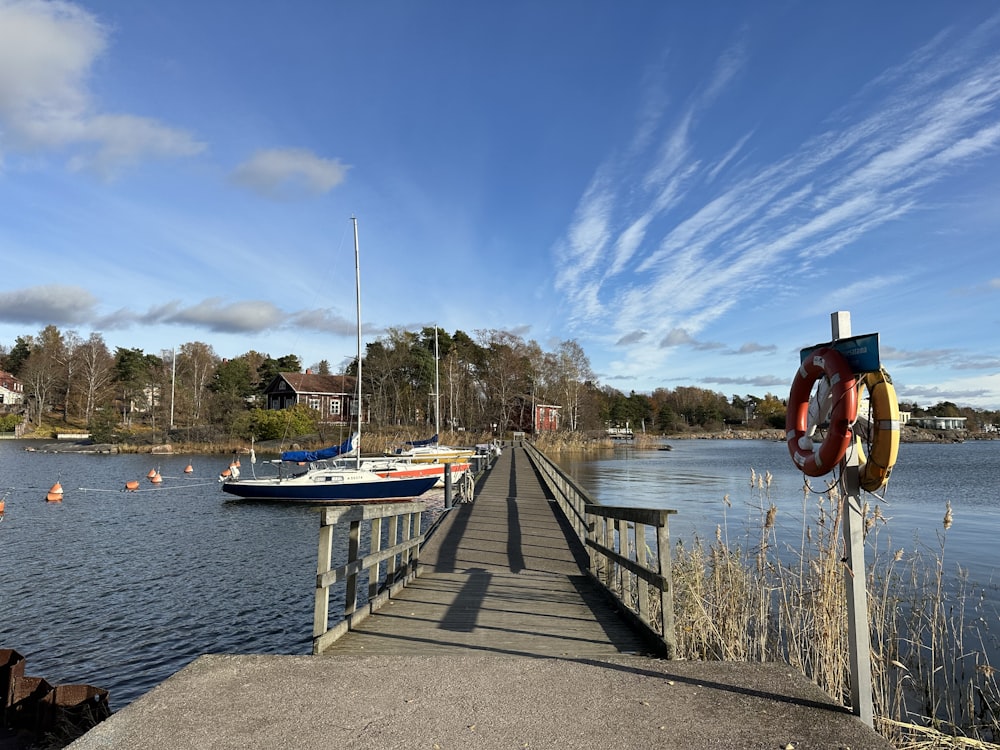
x=55 y=494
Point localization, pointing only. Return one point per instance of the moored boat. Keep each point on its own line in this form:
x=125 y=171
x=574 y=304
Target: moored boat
x=329 y=478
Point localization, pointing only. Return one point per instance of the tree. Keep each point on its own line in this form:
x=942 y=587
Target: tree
x=273 y=424
x=96 y=371
x=135 y=376
x=573 y=370
x=772 y=410
x=42 y=373
x=18 y=355
x=196 y=364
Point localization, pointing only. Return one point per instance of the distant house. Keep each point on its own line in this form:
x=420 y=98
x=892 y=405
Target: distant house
x=333 y=396
x=939 y=423
x=11 y=390
x=546 y=418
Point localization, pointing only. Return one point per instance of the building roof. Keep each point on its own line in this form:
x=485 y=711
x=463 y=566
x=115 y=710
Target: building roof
x=307 y=382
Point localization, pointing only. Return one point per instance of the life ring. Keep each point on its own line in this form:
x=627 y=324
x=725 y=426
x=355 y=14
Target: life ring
x=843 y=385
x=883 y=421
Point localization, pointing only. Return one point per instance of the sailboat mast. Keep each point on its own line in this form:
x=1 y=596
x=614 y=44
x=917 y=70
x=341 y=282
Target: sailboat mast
x=357 y=281
x=437 y=387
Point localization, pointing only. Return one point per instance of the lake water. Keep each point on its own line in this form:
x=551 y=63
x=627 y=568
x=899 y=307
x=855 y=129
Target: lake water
x=122 y=589
x=694 y=476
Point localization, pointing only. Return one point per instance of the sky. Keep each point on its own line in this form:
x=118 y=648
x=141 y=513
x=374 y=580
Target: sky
x=689 y=191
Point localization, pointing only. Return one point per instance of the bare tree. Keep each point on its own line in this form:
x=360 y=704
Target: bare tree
x=96 y=369
x=574 y=371
x=42 y=373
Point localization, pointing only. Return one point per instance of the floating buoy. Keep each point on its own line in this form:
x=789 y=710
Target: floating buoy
x=151 y=474
x=188 y=469
x=132 y=485
x=55 y=494
x=3 y=505
x=156 y=478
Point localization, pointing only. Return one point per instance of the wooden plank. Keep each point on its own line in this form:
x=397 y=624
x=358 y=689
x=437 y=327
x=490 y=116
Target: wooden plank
x=500 y=575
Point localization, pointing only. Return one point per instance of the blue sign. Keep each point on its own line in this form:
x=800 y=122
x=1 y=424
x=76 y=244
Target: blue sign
x=861 y=352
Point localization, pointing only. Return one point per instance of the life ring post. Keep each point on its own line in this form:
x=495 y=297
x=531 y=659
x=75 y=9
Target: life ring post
x=859 y=636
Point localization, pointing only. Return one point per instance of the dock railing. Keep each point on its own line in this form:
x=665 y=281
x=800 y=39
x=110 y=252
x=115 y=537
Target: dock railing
x=628 y=550
x=391 y=533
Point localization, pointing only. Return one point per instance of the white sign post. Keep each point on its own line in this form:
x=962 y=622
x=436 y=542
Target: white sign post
x=859 y=634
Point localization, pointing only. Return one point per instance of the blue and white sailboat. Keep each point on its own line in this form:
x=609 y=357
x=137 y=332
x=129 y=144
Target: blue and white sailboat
x=329 y=478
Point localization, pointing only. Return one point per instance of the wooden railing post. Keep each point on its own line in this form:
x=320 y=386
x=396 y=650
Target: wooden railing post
x=399 y=556
x=641 y=558
x=321 y=613
x=376 y=545
x=667 y=589
x=353 y=545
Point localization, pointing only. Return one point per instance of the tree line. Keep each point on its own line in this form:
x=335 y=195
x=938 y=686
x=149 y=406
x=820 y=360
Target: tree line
x=487 y=382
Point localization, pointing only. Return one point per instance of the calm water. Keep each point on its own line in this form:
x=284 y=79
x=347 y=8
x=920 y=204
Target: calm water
x=121 y=590
x=695 y=475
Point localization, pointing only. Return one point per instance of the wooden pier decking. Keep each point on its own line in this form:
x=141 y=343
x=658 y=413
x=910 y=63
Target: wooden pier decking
x=501 y=575
x=502 y=642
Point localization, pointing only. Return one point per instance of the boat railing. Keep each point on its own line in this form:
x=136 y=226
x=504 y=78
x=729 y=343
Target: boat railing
x=628 y=551
x=383 y=543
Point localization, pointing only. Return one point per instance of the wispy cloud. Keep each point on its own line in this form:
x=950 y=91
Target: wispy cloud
x=47 y=51
x=709 y=228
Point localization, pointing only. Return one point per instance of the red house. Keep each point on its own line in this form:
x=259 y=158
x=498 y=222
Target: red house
x=546 y=418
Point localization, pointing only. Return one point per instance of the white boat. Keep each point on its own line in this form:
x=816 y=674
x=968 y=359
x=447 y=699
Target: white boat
x=430 y=451
x=330 y=480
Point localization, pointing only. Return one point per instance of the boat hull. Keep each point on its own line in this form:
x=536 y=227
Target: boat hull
x=327 y=490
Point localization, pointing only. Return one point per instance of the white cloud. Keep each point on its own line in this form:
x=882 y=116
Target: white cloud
x=47 y=50
x=289 y=172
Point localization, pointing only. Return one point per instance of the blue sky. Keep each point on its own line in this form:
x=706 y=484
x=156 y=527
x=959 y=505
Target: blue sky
x=688 y=190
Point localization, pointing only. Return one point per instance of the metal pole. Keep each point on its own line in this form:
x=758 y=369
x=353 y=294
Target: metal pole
x=173 y=381
x=859 y=635
x=448 y=500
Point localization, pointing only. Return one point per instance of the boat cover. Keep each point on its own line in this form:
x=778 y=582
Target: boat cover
x=333 y=451
x=419 y=443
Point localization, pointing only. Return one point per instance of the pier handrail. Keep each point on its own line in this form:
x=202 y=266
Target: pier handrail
x=617 y=540
x=402 y=539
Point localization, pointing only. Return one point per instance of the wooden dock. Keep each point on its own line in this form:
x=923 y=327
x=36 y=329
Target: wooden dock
x=503 y=641
x=501 y=575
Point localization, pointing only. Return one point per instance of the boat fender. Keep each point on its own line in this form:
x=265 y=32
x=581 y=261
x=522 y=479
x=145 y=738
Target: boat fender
x=842 y=400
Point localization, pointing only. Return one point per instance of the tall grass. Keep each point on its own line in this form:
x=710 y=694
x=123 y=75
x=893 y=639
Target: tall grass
x=755 y=595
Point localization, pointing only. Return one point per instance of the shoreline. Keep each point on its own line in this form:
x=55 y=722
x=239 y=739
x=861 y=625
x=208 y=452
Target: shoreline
x=907 y=435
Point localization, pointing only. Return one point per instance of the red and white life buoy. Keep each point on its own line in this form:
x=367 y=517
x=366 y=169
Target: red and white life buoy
x=844 y=411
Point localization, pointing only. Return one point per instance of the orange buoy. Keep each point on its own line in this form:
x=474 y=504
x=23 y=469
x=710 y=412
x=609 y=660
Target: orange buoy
x=151 y=474
x=156 y=478
x=3 y=505
x=132 y=485
x=188 y=469
x=55 y=494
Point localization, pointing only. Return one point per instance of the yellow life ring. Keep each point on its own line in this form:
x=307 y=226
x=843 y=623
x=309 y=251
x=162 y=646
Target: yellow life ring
x=883 y=420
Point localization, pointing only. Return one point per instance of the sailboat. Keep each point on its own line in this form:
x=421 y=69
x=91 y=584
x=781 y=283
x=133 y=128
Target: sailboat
x=329 y=478
x=430 y=451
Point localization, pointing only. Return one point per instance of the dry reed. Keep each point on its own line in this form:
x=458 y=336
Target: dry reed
x=759 y=598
